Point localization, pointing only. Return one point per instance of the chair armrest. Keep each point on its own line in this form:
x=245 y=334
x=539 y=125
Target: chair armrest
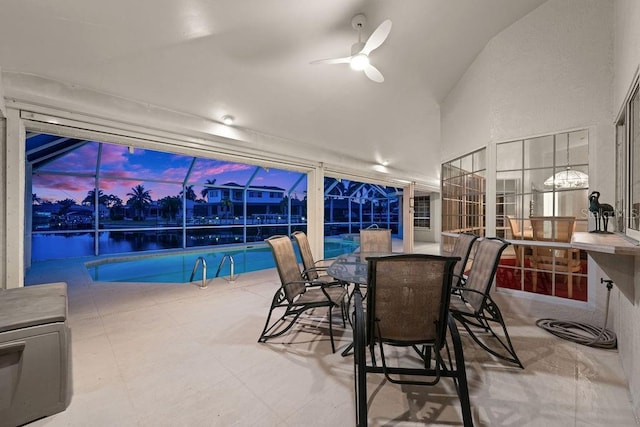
x=465 y=289
x=316 y=269
x=462 y=278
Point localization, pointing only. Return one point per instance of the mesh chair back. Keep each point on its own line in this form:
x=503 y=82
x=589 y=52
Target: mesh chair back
x=483 y=271
x=408 y=298
x=375 y=240
x=462 y=249
x=305 y=254
x=287 y=265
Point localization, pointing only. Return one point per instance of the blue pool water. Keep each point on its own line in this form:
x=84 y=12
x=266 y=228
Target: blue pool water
x=177 y=268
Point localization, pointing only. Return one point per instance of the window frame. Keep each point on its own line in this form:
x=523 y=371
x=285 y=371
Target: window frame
x=624 y=159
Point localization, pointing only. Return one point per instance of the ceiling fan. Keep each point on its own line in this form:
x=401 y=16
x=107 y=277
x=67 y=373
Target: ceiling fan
x=359 y=59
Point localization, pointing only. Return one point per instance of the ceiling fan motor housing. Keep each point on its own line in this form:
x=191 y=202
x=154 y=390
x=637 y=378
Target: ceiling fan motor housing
x=358 y=21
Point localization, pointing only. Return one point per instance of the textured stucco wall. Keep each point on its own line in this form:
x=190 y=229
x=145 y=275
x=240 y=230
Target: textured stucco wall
x=465 y=113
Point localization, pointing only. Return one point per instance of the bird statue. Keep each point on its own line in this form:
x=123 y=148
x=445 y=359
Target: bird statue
x=601 y=212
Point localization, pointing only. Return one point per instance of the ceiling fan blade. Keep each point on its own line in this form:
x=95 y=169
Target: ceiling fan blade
x=373 y=73
x=377 y=37
x=344 y=60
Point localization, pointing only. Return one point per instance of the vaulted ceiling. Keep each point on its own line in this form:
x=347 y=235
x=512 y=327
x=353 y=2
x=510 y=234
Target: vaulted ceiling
x=251 y=59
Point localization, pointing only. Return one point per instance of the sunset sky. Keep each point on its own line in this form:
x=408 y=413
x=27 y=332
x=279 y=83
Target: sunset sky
x=121 y=170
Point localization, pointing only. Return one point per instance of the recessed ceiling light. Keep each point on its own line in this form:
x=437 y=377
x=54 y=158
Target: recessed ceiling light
x=228 y=120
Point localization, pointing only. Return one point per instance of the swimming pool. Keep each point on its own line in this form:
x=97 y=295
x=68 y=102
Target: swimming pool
x=177 y=267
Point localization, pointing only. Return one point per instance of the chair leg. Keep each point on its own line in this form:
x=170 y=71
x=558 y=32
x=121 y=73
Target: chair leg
x=461 y=374
x=494 y=315
x=359 y=364
x=277 y=299
x=570 y=284
x=333 y=346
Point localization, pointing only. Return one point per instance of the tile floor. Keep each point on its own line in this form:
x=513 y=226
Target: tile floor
x=177 y=355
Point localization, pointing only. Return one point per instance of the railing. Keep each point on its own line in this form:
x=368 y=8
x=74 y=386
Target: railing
x=232 y=276
x=204 y=271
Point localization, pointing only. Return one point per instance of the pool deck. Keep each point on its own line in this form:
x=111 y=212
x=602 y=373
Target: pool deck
x=167 y=355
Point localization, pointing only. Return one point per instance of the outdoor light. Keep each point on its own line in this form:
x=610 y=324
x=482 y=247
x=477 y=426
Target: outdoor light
x=228 y=120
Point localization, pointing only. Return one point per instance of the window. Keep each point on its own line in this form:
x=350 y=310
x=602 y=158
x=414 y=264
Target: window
x=542 y=195
x=350 y=206
x=634 y=149
x=463 y=196
x=422 y=211
x=627 y=196
x=94 y=198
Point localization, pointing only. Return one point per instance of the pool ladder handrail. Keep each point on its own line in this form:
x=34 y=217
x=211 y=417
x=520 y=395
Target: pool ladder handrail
x=232 y=276
x=204 y=271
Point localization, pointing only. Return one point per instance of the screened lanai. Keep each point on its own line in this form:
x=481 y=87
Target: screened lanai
x=94 y=198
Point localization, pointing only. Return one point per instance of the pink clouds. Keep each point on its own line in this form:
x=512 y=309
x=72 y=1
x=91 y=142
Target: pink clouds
x=121 y=170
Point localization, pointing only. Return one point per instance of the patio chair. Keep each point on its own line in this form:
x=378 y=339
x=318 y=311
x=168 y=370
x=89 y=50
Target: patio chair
x=462 y=249
x=407 y=308
x=314 y=271
x=472 y=304
x=517 y=234
x=297 y=294
x=375 y=240
x=559 y=260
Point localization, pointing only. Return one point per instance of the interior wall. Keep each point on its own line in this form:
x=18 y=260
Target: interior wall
x=627 y=313
x=549 y=72
x=3 y=206
x=3 y=184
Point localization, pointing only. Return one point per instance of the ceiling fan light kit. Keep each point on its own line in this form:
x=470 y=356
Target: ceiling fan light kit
x=359 y=62
x=359 y=59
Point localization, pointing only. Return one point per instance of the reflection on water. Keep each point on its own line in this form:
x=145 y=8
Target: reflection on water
x=70 y=245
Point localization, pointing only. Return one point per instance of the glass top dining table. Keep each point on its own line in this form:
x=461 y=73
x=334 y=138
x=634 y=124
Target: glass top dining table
x=352 y=267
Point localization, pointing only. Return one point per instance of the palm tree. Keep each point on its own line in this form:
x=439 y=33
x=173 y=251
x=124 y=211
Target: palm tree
x=139 y=199
x=207 y=184
x=170 y=207
x=115 y=207
x=284 y=205
x=188 y=191
x=113 y=201
x=65 y=205
x=35 y=199
x=227 y=204
x=90 y=200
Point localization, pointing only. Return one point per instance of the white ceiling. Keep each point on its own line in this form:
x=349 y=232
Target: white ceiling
x=250 y=59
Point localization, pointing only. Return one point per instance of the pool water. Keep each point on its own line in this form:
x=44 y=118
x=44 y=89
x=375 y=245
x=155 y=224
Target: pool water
x=177 y=268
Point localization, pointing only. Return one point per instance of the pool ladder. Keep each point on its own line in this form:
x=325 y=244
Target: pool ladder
x=232 y=276
x=204 y=271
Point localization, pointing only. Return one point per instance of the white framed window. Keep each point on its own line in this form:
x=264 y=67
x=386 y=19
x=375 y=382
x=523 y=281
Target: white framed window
x=628 y=163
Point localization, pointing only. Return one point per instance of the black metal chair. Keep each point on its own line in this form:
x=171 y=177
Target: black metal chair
x=472 y=304
x=314 y=271
x=297 y=294
x=407 y=305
